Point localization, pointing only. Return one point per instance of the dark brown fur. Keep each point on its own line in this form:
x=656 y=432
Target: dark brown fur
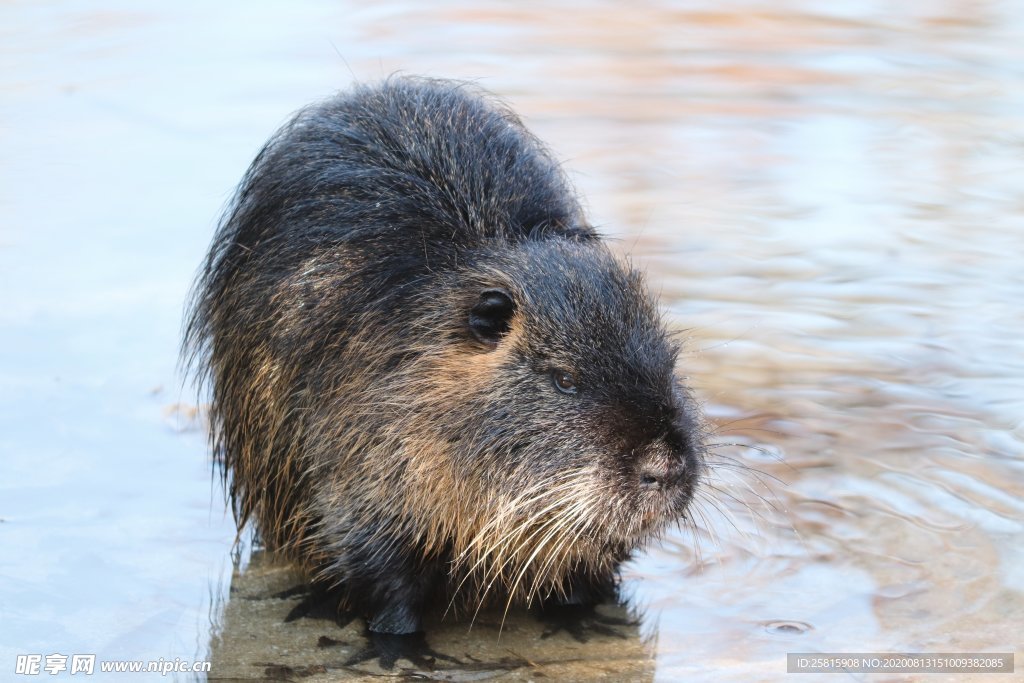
x=384 y=314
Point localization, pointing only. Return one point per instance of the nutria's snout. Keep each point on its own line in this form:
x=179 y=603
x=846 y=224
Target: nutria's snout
x=663 y=474
x=670 y=466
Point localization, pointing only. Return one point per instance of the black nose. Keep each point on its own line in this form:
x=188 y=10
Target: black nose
x=661 y=475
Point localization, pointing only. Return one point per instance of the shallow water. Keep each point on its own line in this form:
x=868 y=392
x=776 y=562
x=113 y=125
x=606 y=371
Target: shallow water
x=827 y=195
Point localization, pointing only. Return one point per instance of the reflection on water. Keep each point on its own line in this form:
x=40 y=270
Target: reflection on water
x=827 y=195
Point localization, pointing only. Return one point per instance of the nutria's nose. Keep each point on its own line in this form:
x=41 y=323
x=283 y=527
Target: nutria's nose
x=661 y=475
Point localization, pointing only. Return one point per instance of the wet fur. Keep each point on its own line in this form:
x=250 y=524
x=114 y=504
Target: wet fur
x=365 y=429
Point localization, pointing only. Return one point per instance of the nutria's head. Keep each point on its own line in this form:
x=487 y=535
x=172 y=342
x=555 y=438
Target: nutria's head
x=568 y=439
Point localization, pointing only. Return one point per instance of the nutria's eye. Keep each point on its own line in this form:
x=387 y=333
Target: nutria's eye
x=564 y=381
x=491 y=318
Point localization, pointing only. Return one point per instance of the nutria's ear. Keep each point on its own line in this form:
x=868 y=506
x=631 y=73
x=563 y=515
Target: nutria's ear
x=491 y=317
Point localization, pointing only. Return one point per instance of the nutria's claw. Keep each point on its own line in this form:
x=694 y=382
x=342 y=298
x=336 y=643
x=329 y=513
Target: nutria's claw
x=581 y=622
x=388 y=648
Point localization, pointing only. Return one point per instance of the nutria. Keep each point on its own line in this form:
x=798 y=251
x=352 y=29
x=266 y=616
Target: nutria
x=433 y=384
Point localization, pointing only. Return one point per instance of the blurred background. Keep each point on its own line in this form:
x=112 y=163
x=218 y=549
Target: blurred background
x=828 y=197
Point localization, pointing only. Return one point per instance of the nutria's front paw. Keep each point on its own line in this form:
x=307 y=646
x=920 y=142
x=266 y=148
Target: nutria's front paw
x=388 y=648
x=581 y=622
x=316 y=604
